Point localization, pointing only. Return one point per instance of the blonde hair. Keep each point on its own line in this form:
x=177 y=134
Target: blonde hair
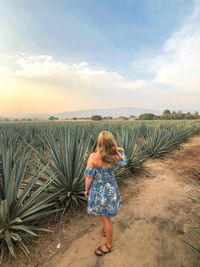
x=107 y=147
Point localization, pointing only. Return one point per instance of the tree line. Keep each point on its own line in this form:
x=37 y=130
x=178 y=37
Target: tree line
x=166 y=115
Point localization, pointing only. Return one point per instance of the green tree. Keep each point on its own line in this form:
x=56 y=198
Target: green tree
x=189 y=116
x=166 y=112
x=96 y=118
x=147 y=116
x=180 y=115
x=123 y=118
x=52 y=118
x=196 y=115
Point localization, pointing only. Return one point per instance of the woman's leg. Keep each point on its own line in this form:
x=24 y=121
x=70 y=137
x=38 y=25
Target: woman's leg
x=108 y=228
x=103 y=232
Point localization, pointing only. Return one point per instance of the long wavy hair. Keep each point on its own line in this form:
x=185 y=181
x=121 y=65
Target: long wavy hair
x=107 y=147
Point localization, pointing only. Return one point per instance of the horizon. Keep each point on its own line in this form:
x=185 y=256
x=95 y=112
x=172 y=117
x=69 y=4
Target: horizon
x=116 y=114
x=124 y=53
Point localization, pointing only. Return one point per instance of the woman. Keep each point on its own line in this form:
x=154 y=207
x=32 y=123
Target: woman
x=101 y=187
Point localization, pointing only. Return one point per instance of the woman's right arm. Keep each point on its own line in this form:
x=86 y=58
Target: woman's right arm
x=119 y=149
x=88 y=177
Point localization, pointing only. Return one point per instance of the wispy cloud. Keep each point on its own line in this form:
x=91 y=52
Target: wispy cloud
x=175 y=72
x=181 y=61
x=30 y=78
x=178 y=65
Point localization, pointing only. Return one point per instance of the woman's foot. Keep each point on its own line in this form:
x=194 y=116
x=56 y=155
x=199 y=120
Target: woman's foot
x=102 y=250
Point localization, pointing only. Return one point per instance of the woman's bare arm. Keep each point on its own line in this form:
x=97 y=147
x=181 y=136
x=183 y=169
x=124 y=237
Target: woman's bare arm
x=120 y=149
x=88 y=179
x=122 y=157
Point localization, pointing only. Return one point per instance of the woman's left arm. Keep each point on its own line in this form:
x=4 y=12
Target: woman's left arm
x=123 y=159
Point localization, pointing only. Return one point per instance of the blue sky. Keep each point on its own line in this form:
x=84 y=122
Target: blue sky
x=109 y=32
x=134 y=43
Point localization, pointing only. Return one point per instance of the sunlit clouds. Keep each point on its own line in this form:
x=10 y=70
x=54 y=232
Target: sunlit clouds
x=41 y=84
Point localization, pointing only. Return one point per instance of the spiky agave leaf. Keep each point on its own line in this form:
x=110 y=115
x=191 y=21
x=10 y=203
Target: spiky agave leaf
x=9 y=151
x=130 y=139
x=159 y=141
x=21 y=209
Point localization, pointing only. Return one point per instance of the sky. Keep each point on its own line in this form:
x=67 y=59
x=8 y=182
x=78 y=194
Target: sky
x=65 y=55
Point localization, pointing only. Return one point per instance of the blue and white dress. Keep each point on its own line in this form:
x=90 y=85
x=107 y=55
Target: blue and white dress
x=104 y=196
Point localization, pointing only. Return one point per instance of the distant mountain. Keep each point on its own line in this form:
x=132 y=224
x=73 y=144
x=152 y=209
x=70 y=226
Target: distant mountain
x=42 y=116
x=85 y=113
x=113 y=112
x=37 y=115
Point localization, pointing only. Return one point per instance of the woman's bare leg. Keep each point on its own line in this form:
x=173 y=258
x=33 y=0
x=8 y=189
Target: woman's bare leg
x=108 y=228
x=103 y=231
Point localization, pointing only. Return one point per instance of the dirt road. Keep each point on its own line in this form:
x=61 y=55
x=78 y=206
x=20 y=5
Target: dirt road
x=153 y=221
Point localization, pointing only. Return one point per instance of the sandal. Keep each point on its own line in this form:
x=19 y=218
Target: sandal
x=102 y=251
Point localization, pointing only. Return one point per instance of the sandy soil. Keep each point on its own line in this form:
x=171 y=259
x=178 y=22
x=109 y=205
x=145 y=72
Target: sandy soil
x=150 y=228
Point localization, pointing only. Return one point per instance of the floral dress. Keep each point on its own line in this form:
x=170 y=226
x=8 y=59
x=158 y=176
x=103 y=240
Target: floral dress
x=104 y=196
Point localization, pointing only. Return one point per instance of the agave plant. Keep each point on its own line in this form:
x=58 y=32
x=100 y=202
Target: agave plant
x=130 y=139
x=68 y=148
x=160 y=141
x=21 y=205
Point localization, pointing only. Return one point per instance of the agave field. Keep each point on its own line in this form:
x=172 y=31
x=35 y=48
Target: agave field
x=42 y=167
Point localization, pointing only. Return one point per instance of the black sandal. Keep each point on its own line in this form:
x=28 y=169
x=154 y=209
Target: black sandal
x=102 y=251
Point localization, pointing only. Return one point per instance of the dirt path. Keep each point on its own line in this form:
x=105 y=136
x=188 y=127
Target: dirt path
x=153 y=221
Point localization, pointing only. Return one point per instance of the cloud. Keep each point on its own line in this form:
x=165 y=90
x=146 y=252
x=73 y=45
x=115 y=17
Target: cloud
x=132 y=85
x=174 y=74
x=39 y=66
x=28 y=80
x=181 y=62
x=178 y=65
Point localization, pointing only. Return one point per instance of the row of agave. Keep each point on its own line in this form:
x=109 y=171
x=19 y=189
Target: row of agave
x=42 y=167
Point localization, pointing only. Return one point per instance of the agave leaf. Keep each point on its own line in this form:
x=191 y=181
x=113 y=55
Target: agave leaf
x=3 y=212
x=67 y=147
x=16 y=237
x=21 y=207
x=193 y=247
x=22 y=228
x=9 y=242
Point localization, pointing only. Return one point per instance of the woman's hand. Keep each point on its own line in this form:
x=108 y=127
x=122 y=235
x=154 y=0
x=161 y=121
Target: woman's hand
x=120 y=149
x=86 y=194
